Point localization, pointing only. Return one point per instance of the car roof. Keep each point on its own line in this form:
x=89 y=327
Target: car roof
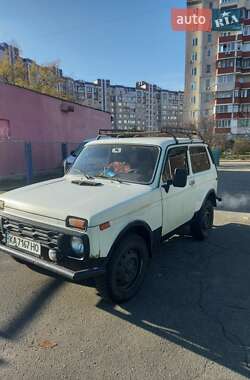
x=156 y=141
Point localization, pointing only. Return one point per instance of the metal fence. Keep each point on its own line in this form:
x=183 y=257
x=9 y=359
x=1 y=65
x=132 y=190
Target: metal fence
x=30 y=161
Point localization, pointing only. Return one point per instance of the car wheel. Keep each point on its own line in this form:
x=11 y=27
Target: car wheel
x=126 y=270
x=203 y=221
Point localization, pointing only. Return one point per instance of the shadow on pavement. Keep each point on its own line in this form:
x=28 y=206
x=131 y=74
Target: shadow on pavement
x=197 y=296
x=16 y=325
x=3 y=363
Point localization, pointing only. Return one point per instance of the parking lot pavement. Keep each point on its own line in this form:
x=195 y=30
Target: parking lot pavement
x=189 y=321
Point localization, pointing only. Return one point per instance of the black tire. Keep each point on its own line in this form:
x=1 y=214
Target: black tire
x=203 y=221
x=126 y=270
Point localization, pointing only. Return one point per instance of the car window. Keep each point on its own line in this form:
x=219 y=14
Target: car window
x=199 y=159
x=177 y=159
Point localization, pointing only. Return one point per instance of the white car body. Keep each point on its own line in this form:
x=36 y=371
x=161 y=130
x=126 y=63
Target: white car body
x=120 y=204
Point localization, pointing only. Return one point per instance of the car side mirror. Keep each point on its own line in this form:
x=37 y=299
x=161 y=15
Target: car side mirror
x=72 y=153
x=180 y=178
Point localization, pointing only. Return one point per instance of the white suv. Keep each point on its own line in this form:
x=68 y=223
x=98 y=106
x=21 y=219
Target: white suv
x=108 y=215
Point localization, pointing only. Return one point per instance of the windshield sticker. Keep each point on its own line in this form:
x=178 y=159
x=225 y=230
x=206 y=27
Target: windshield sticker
x=116 y=150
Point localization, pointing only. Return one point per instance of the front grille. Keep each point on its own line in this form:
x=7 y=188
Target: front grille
x=46 y=238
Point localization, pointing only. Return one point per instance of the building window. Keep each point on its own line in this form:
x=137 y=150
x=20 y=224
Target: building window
x=195 y=41
x=223 y=123
x=225 y=79
x=194 y=71
x=209 y=38
x=194 y=57
x=245 y=123
x=209 y=52
x=224 y=94
x=222 y=109
x=246 y=30
x=208 y=70
x=225 y=63
x=246 y=63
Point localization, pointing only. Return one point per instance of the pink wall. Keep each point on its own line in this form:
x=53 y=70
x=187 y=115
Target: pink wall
x=28 y=116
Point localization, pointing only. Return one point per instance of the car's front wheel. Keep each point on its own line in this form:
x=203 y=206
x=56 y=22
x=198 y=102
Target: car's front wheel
x=126 y=270
x=203 y=221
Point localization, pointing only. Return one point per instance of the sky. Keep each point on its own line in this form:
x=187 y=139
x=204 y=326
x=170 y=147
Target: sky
x=124 y=41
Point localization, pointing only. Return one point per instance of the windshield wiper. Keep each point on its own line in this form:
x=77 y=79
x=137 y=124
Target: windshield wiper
x=86 y=183
x=82 y=173
x=108 y=177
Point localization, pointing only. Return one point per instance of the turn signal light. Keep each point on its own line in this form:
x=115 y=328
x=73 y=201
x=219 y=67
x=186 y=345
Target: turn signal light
x=104 y=226
x=78 y=223
x=1 y=205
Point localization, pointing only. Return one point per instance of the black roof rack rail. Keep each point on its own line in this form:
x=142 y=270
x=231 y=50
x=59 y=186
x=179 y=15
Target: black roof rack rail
x=164 y=132
x=190 y=133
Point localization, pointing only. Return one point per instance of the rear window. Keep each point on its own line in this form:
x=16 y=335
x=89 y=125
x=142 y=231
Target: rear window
x=199 y=159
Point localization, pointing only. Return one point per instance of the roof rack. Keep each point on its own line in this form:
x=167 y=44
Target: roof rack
x=163 y=132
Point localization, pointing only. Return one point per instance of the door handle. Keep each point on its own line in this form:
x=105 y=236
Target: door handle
x=192 y=182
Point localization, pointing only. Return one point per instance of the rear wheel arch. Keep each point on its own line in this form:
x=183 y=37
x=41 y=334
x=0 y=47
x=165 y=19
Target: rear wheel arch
x=211 y=195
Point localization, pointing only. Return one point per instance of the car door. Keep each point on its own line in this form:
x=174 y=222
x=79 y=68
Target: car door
x=204 y=173
x=177 y=203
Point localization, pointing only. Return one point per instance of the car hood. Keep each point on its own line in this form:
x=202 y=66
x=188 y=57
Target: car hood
x=60 y=198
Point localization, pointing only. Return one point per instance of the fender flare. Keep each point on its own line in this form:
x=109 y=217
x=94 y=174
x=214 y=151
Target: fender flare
x=210 y=195
x=135 y=226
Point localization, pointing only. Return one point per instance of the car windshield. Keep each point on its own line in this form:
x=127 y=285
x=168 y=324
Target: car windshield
x=124 y=162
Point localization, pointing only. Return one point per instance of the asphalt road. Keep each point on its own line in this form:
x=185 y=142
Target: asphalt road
x=190 y=320
x=234 y=184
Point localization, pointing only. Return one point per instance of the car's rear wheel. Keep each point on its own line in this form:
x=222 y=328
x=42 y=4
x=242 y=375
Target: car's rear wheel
x=126 y=270
x=203 y=221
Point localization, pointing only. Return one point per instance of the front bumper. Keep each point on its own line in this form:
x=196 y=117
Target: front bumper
x=72 y=275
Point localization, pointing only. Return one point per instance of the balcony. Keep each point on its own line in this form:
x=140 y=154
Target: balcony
x=228 y=54
x=224 y=115
x=227 y=38
x=224 y=100
x=245 y=54
x=225 y=70
x=245 y=70
x=242 y=100
x=239 y=84
x=222 y=130
x=245 y=38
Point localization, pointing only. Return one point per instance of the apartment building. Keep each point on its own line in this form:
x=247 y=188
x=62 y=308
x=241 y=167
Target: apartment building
x=232 y=103
x=145 y=106
x=200 y=73
x=217 y=85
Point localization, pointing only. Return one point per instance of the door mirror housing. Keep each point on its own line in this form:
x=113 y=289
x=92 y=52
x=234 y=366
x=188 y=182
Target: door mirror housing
x=180 y=178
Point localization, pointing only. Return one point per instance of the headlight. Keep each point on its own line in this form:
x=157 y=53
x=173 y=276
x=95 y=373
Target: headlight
x=77 y=246
x=1 y=205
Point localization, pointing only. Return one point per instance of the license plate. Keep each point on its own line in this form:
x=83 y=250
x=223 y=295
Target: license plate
x=22 y=244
